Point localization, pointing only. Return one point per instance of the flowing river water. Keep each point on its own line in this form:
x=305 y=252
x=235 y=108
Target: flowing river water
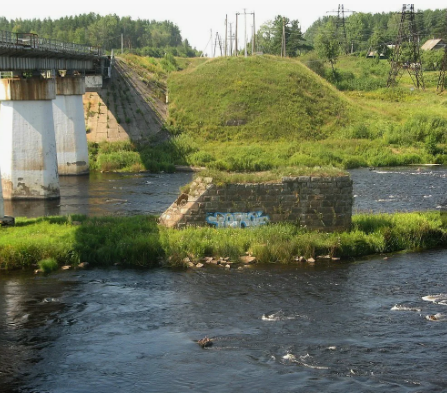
x=371 y=325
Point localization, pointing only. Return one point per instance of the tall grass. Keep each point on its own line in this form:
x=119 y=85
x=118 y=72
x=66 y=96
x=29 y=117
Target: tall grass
x=139 y=241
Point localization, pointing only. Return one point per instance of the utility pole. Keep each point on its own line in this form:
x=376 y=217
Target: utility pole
x=254 y=35
x=245 y=33
x=231 y=39
x=408 y=37
x=226 y=35
x=237 y=14
x=122 y=43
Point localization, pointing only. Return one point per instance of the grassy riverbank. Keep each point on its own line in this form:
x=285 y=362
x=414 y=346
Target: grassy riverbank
x=139 y=241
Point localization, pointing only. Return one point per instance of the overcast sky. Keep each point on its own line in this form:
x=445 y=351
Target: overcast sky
x=196 y=18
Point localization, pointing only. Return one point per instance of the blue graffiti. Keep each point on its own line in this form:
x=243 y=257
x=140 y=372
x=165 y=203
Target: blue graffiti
x=237 y=220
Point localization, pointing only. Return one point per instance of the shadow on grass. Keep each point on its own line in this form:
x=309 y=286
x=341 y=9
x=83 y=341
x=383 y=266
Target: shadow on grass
x=127 y=241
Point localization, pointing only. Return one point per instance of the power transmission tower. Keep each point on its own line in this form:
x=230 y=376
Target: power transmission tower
x=217 y=42
x=408 y=39
x=441 y=79
x=341 y=27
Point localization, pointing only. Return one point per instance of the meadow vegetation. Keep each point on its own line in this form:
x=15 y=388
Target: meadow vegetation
x=263 y=112
x=140 y=241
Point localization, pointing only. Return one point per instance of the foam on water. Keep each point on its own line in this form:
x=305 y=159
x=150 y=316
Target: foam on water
x=277 y=316
x=436 y=317
x=400 y=307
x=437 y=299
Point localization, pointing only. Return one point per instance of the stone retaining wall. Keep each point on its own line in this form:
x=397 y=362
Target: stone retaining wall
x=317 y=203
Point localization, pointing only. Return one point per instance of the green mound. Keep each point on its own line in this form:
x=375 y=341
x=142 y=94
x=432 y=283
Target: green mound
x=256 y=98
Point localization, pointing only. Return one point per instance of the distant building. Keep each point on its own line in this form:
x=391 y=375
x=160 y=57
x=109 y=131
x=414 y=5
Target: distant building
x=370 y=54
x=434 y=44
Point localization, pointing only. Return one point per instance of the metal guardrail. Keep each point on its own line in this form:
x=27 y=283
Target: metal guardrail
x=30 y=41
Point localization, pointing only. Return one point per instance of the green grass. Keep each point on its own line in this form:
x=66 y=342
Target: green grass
x=48 y=265
x=139 y=241
x=265 y=113
x=255 y=99
x=276 y=175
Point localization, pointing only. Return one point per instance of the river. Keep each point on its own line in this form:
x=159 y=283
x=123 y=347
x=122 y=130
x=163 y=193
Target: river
x=361 y=326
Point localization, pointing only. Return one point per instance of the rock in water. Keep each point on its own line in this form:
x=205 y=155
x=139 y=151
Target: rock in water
x=205 y=342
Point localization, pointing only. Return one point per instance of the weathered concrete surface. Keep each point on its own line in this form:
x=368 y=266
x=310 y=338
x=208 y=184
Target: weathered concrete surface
x=69 y=125
x=28 y=150
x=27 y=89
x=70 y=85
x=2 y=207
x=93 y=82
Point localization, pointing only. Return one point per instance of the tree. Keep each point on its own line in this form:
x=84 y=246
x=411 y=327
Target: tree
x=327 y=45
x=270 y=36
x=264 y=37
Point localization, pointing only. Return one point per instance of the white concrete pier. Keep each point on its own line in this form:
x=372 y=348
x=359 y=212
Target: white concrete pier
x=69 y=124
x=2 y=207
x=27 y=140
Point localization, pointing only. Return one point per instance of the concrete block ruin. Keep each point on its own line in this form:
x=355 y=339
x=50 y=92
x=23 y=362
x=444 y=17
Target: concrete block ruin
x=316 y=203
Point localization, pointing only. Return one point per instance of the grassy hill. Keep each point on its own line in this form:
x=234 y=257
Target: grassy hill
x=264 y=112
x=261 y=98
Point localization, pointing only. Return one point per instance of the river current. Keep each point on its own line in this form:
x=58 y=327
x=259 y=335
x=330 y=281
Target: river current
x=371 y=325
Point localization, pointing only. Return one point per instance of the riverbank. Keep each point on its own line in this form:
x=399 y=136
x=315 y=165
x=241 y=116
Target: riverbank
x=139 y=241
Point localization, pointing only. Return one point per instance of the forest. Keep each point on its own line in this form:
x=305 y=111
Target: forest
x=364 y=30
x=142 y=36
x=359 y=32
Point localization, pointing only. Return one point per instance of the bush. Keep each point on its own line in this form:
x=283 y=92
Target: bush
x=48 y=265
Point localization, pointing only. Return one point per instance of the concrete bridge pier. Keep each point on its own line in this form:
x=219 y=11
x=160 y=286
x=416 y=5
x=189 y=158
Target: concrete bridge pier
x=2 y=207
x=27 y=141
x=69 y=124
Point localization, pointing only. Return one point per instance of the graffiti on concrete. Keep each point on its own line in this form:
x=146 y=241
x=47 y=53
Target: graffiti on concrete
x=237 y=220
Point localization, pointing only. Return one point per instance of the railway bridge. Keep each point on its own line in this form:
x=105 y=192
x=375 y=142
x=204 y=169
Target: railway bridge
x=42 y=127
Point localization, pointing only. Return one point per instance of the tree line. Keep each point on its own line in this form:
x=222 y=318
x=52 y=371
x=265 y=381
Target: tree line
x=141 y=36
x=364 y=31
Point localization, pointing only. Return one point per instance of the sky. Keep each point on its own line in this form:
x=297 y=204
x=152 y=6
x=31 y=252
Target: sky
x=197 y=18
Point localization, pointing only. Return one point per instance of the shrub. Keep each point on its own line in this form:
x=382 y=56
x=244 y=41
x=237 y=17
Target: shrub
x=48 y=265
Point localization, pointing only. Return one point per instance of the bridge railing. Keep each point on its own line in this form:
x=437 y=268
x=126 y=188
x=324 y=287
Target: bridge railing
x=33 y=41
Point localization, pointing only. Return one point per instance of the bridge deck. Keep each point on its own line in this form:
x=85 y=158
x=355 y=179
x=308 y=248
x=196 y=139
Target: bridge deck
x=27 y=51
x=28 y=44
